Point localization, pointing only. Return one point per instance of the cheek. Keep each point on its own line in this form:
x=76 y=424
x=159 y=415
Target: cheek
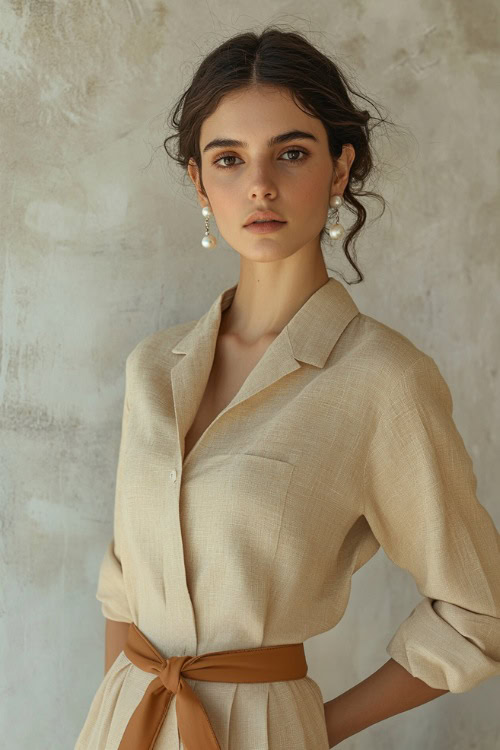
x=223 y=193
x=303 y=192
x=310 y=184
x=309 y=197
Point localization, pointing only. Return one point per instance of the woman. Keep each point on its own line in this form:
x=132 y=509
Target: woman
x=270 y=448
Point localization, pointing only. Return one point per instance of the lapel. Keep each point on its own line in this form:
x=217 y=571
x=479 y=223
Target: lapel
x=308 y=338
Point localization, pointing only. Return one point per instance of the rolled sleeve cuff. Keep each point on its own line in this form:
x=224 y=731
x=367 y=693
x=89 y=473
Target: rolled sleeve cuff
x=111 y=588
x=446 y=646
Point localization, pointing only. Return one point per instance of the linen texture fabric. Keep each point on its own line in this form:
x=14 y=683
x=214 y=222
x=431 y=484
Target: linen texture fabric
x=340 y=441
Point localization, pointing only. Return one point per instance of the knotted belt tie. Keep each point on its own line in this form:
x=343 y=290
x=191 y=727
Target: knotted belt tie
x=265 y=664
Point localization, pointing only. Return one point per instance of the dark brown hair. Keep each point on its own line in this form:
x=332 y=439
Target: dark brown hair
x=288 y=60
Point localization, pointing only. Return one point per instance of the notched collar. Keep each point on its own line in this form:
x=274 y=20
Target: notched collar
x=309 y=337
x=311 y=333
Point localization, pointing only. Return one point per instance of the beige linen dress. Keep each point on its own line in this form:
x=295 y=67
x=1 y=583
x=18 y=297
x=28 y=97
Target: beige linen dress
x=340 y=440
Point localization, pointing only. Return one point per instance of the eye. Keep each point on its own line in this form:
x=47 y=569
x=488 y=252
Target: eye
x=296 y=151
x=227 y=166
x=288 y=151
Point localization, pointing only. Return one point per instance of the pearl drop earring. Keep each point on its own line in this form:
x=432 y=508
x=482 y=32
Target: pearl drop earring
x=208 y=241
x=335 y=230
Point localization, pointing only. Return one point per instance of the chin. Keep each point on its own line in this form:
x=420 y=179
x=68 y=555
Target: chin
x=267 y=252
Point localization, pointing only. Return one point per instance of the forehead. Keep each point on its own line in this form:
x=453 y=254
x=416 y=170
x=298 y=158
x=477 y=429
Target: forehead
x=255 y=114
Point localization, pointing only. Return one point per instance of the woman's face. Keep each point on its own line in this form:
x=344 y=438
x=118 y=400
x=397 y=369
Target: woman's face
x=294 y=178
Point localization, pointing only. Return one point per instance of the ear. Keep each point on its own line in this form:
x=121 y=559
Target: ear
x=194 y=174
x=342 y=168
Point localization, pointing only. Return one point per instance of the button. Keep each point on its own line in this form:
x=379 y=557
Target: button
x=173 y=475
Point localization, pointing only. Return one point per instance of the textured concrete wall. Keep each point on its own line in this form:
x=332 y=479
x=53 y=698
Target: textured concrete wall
x=98 y=251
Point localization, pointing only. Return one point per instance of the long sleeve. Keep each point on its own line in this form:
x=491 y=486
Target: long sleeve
x=421 y=505
x=111 y=590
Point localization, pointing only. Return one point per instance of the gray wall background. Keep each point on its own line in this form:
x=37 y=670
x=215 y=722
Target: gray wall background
x=101 y=246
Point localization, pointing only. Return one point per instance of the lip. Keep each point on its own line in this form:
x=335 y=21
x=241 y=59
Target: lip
x=266 y=227
x=262 y=216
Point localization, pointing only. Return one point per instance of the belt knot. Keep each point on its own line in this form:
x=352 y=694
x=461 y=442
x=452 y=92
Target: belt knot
x=261 y=664
x=170 y=674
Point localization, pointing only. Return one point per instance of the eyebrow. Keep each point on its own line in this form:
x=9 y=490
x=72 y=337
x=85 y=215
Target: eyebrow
x=291 y=135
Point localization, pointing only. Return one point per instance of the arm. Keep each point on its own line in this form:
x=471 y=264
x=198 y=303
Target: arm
x=115 y=639
x=111 y=589
x=422 y=507
x=388 y=691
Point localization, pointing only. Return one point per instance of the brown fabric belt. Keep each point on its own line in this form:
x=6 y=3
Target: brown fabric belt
x=265 y=664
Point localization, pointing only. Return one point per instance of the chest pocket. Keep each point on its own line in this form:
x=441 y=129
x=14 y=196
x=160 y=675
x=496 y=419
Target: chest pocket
x=232 y=510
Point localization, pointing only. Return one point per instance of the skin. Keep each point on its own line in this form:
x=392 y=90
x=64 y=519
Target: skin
x=278 y=271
